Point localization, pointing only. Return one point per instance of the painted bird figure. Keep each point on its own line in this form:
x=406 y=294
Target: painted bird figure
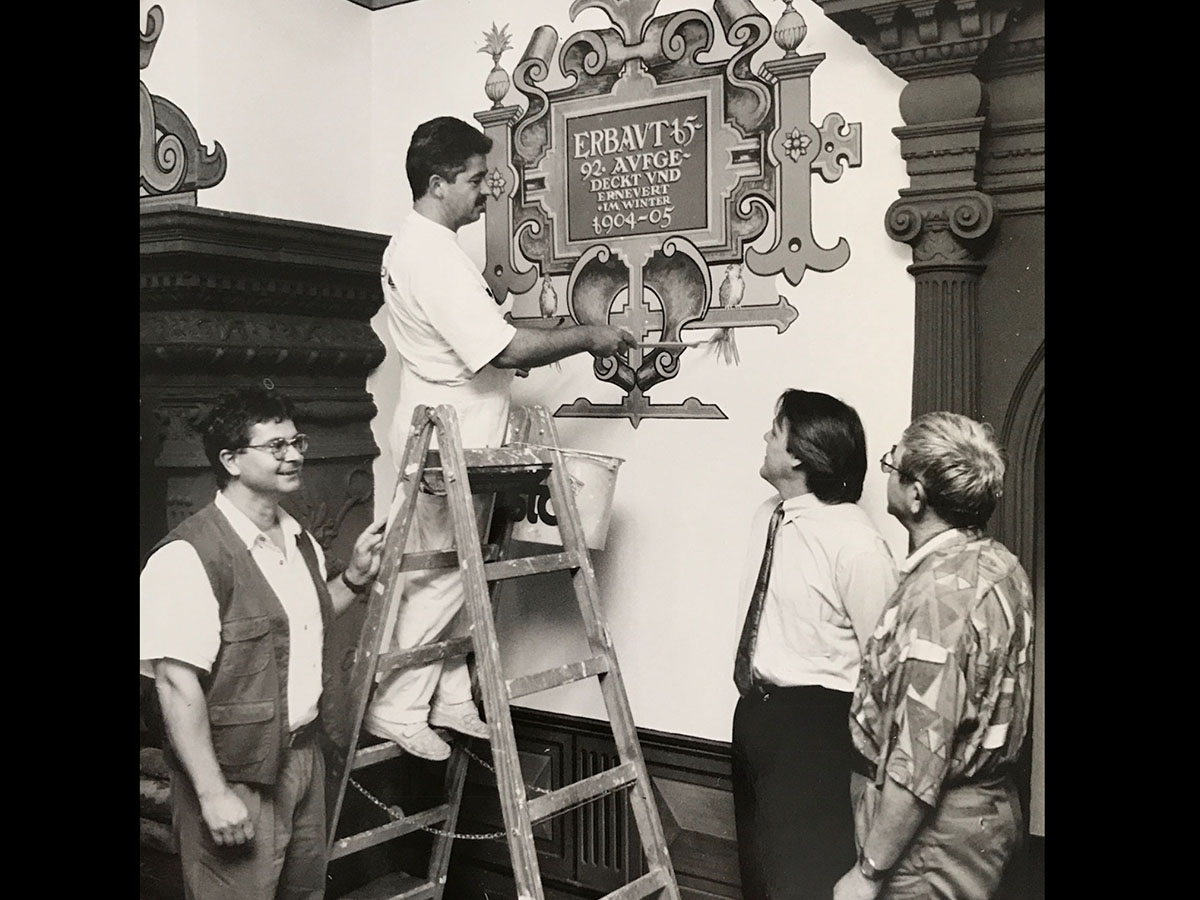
x=548 y=299
x=548 y=304
x=733 y=288
x=730 y=294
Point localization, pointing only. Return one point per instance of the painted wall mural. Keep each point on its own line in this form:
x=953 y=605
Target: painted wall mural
x=174 y=162
x=651 y=169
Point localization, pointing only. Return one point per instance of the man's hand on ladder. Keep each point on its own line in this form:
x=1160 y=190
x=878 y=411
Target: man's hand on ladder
x=367 y=553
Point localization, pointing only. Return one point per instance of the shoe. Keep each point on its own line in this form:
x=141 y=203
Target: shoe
x=461 y=717
x=424 y=743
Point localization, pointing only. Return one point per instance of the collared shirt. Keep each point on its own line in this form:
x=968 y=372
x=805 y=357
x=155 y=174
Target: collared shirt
x=181 y=619
x=446 y=328
x=944 y=693
x=831 y=575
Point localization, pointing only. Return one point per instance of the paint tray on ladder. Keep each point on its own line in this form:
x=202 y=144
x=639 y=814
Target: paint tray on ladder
x=593 y=480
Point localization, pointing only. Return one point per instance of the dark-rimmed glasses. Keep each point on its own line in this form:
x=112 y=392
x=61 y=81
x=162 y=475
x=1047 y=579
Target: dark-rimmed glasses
x=887 y=464
x=278 y=448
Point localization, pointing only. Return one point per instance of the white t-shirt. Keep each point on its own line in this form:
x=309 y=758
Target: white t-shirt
x=180 y=617
x=831 y=575
x=446 y=328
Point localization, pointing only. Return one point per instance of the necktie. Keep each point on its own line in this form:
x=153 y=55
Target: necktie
x=743 y=674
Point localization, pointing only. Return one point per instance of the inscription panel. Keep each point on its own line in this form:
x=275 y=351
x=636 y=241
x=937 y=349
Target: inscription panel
x=638 y=170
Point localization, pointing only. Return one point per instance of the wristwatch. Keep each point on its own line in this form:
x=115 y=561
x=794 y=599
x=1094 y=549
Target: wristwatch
x=356 y=588
x=869 y=870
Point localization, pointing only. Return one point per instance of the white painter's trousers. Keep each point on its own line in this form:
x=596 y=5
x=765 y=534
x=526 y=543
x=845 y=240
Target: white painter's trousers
x=430 y=610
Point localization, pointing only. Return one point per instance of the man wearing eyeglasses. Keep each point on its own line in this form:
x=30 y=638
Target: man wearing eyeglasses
x=235 y=608
x=943 y=697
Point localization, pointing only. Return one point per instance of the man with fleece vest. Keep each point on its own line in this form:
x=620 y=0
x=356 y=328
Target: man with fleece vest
x=235 y=608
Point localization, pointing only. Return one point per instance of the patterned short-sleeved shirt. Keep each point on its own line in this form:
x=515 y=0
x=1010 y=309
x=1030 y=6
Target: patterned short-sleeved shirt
x=943 y=695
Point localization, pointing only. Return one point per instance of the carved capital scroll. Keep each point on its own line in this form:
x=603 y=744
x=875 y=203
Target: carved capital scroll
x=941 y=230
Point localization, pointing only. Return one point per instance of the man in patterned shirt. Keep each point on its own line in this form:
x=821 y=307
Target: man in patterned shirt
x=943 y=696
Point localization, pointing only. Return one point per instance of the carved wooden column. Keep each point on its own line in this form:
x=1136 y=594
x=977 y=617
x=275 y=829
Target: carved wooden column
x=942 y=215
x=946 y=221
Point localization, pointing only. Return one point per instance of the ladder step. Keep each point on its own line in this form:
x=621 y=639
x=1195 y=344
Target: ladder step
x=516 y=455
x=385 y=750
x=393 y=886
x=641 y=887
x=394 y=829
x=442 y=559
x=530 y=565
x=591 y=788
x=376 y=753
x=422 y=655
x=492 y=469
x=552 y=678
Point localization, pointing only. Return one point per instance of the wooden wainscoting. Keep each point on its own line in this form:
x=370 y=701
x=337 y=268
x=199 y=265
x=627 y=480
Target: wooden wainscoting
x=590 y=851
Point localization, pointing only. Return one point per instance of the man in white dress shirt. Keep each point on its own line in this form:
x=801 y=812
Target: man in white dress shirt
x=817 y=575
x=235 y=608
x=455 y=347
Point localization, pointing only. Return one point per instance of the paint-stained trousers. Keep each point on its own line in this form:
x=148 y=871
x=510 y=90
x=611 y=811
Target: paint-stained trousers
x=285 y=860
x=430 y=610
x=791 y=792
x=961 y=850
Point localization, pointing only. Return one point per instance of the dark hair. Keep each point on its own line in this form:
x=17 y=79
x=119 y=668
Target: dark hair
x=442 y=147
x=960 y=463
x=229 y=423
x=827 y=436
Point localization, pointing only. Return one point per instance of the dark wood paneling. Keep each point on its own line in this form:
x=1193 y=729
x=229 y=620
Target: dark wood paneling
x=601 y=849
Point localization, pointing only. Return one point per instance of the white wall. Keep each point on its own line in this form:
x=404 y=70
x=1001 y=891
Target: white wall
x=686 y=491
x=285 y=87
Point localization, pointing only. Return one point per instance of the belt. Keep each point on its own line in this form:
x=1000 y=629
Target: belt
x=762 y=690
x=302 y=734
x=866 y=768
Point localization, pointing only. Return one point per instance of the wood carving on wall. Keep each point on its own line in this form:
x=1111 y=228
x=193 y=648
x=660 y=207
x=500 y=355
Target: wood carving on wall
x=648 y=169
x=945 y=53
x=1022 y=432
x=230 y=300
x=174 y=162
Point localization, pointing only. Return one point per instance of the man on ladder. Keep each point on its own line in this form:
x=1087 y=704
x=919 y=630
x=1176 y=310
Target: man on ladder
x=455 y=348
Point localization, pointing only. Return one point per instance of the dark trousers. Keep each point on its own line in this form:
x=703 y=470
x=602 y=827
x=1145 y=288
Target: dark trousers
x=791 y=792
x=286 y=859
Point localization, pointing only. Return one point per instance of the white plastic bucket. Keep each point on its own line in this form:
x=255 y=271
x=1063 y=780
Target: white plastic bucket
x=593 y=480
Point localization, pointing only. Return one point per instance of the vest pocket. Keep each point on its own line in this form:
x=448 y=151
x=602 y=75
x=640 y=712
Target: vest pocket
x=246 y=647
x=238 y=735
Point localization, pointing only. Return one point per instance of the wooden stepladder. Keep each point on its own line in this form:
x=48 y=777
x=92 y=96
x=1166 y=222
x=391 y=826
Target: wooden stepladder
x=531 y=457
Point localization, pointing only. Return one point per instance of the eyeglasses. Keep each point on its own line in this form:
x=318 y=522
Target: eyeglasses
x=886 y=464
x=279 y=447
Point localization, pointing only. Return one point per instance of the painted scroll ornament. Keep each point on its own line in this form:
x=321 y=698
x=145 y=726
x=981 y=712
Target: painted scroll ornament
x=173 y=159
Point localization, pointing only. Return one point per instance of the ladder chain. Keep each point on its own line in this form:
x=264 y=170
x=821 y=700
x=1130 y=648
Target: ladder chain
x=392 y=811
x=474 y=836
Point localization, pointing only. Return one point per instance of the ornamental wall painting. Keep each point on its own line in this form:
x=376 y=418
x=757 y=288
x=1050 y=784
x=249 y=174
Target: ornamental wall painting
x=647 y=179
x=174 y=161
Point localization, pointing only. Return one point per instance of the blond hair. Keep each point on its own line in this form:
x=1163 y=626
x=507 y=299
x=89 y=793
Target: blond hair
x=959 y=462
